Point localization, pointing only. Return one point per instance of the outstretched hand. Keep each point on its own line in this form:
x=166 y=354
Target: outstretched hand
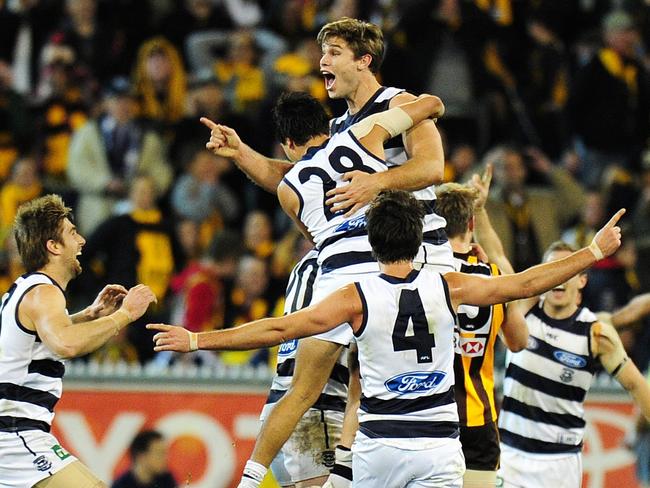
x=137 y=301
x=170 y=338
x=224 y=141
x=608 y=238
x=360 y=190
x=482 y=185
x=108 y=300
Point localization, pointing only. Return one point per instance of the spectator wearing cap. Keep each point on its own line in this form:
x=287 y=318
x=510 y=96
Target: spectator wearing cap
x=609 y=105
x=106 y=152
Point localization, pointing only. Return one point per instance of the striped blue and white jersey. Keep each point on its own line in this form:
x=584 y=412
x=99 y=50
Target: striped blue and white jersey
x=396 y=155
x=342 y=242
x=406 y=359
x=299 y=295
x=546 y=384
x=30 y=373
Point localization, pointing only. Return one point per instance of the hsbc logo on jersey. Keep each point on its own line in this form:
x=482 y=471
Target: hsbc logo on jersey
x=472 y=346
x=415 y=381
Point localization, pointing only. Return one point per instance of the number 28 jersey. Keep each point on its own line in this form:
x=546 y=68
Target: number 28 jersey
x=341 y=241
x=406 y=358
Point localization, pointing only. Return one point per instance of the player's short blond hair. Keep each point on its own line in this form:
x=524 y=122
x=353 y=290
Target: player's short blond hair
x=455 y=203
x=362 y=38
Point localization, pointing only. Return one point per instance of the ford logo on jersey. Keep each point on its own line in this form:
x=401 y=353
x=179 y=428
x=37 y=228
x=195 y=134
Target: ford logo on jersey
x=415 y=381
x=353 y=224
x=288 y=347
x=569 y=359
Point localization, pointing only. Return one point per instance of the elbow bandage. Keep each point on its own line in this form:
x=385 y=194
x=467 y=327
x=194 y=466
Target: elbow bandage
x=608 y=348
x=394 y=121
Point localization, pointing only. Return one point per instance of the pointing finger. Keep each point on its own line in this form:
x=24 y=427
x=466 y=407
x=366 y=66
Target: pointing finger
x=208 y=123
x=160 y=327
x=612 y=222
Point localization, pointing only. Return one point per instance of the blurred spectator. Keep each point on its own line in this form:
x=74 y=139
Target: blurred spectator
x=641 y=225
x=258 y=234
x=105 y=153
x=299 y=70
x=23 y=185
x=62 y=108
x=15 y=122
x=592 y=218
x=545 y=81
x=529 y=218
x=138 y=247
x=247 y=302
x=192 y=16
x=97 y=48
x=11 y=266
x=461 y=163
x=27 y=28
x=148 y=469
x=616 y=84
x=160 y=82
x=200 y=288
x=200 y=196
x=117 y=350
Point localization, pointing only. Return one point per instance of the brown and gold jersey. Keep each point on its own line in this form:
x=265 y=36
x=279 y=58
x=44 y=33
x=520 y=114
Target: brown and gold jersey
x=477 y=329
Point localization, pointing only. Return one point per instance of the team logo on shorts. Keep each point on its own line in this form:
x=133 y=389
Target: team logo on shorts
x=415 y=381
x=328 y=459
x=286 y=348
x=60 y=452
x=42 y=463
x=571 y=360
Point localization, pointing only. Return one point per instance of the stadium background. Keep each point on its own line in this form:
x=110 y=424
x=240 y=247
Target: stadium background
x=553 y=92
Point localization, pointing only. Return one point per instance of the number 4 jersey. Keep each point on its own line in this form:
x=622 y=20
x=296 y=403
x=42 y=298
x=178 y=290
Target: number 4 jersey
x=406 y=357
x=341 y=242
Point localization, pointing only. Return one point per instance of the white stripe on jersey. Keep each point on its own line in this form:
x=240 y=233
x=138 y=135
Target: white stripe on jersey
x=545 y=385
x=30 y=372
x=406 y=358
x=341 y=241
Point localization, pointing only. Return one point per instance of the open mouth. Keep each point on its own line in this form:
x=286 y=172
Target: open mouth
x=329 y=79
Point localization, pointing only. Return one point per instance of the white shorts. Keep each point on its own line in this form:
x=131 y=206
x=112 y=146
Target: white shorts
x=30 y=456
x=521 y=469
x=375 y=464
x=309 y=452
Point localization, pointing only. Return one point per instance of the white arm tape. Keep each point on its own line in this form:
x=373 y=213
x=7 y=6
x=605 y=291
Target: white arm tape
x=394 y=121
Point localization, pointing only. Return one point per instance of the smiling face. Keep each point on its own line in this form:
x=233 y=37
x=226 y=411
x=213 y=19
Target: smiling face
x=340 y=68
x=562 y=301
x=71 y=244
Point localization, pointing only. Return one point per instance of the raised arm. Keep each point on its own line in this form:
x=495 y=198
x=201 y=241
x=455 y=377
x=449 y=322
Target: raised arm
x=424 y=168
x=484 y=233
x=634 y=310
x=608 y=349
x=344 y=305
x=263 y=171
x=43 y=311
x=478 y=290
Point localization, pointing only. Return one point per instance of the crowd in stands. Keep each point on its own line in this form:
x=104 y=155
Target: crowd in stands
x=100 y=101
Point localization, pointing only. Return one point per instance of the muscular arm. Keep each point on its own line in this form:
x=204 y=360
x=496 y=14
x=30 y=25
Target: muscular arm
x=263 y=171
x=43 y=310
x=634 y=310
x=343 y=305
x=424 y=168
x=479 y=290
x=608 y=349
x=314 y=362
x=514 y=328
x=290 y=203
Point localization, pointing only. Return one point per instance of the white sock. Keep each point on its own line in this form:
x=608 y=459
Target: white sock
x=253 y=475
